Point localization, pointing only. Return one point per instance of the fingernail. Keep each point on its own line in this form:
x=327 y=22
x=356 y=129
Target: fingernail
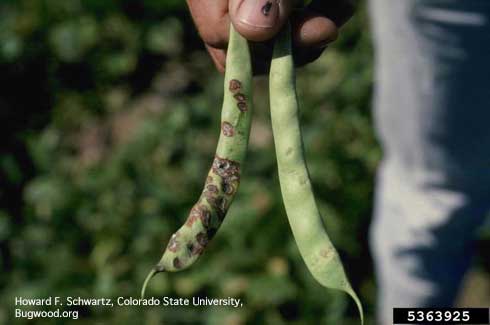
x=258 y=13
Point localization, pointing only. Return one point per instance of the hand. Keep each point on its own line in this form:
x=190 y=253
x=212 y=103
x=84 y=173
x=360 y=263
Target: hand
x=259 y=21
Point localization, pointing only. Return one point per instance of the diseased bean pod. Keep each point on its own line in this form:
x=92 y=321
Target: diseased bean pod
x=206 y=216
x=305 y=220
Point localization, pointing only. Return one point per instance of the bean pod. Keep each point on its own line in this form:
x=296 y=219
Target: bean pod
x=305 y=220
x=188 y=243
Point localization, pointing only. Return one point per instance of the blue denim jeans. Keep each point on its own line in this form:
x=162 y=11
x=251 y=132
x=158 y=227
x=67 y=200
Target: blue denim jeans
x=432 y=115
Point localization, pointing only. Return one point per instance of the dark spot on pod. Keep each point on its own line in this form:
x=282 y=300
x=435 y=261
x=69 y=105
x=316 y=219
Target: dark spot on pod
x=221 y=214
x=204 y=215
x=177 y=263
x=190 y=221
x=212 y=188
x=225 y=186
x=202 y=239
x=235 y=85
x=228 y=188
x=199 y=212
x=193 y=216
x=226 y=168
x=267 y=8
x=210 y=197
x=242 y=106
x=223 y=206
x=227 y=129
x=199 y=245
x=240 y=97
x=221 y=165
x=217 y=203
x=173 y=244
x=197 y=250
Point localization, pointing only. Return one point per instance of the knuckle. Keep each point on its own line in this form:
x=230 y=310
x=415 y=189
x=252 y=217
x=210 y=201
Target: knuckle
x=214 y=31
x=214 y=38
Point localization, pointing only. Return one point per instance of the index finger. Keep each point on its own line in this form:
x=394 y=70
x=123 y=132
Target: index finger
x=212 y=21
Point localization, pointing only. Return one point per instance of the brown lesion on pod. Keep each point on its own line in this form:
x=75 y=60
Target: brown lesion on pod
x=173 y=243
x=223 y=206
x=210 y=195
x=227 y=129
x=242 y=106
x=226 y=168
x=228 y=188
x=193 y=217
x=194 y=248
x=199 y=212
x=235 y=85
x=216 y=201
x=241 y=101
x=240 y=97
x=212 y=188
x=200 y=243
x=205 y=216
x=177 y=263
x=215 y=191
x=221 y=209
x=202 y=239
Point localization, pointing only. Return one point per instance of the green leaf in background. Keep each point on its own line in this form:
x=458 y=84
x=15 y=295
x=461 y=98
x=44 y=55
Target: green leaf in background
x=71 y=40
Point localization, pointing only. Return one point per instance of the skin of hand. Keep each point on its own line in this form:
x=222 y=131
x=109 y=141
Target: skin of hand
x=314 y=26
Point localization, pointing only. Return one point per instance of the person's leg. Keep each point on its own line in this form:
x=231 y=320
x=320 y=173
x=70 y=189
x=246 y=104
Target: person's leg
x=432 y=112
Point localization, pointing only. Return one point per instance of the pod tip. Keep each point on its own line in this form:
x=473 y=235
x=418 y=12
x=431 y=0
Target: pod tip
x=150 y=275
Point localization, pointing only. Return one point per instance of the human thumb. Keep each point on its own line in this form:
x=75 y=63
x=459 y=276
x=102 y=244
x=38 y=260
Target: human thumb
x=259 y=20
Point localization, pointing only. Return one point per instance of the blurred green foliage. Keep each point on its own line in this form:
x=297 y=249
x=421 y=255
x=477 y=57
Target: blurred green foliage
x=112 y=112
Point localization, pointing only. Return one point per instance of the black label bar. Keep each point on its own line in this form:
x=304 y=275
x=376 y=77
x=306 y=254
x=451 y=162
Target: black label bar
x=441 y=316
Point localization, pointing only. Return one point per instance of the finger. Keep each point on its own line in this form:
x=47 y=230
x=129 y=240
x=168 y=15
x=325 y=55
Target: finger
x=218 y=56
x=259 y=20
x=311 y=29
x=212 y=21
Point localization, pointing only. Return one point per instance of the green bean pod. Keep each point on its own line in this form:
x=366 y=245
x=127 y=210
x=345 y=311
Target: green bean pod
x=305 y=220
x=188 y=243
